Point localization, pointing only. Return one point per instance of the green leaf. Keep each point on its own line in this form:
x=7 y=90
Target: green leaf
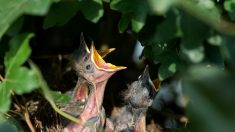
x=17 y=78
x=11 y=10
x=92 y=9
x=228 y=4
x=194 y=55
x=136 y=25
x=66 y=11
x=165 y=32
x=228 y=48
x=137 y=10
x=155 y=34
x=5 y=100
x=215 y=40
x=15 y=27
x=195 y=34
x=193 y=37
x=19 y=51
x=123 y=23
x=210 y=90
x=60 y=98
x=169 y=65
x=213 y=55
x=166 y=55
x=161 y=6
x=166 y=70
x=37 y=7
x=21 y=80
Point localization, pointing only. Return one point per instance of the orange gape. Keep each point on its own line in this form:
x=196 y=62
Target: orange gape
x=94 y=73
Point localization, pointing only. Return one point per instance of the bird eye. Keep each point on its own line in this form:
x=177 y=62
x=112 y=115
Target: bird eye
x=88 y=67
x=86 y=58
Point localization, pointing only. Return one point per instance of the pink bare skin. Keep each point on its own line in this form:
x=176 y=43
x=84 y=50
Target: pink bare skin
x=140 y=125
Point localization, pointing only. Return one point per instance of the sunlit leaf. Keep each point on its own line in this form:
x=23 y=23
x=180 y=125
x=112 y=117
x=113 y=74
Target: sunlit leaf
x=161 y=6
x=195 y=55
x=21 y=80
x=60 y=98
x=19 y=51
x=17 y=78
x=136 y=25
x=5 y=100
x=166 y=70
x=169 y=65
x=15 y=8
x=137 y=11
x=215 y=40
x=228 y=5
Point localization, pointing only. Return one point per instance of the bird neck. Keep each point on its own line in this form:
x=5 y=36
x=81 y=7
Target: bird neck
x=140 y=125
x=94 y=103
x=99 y=92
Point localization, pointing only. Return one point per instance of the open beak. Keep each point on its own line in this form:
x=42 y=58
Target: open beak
x=157 y=84
x=105 y=52
x=146 y=80
x=101 y=64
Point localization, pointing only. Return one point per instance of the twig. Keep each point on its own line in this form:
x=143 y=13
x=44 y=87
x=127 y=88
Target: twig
x=1 y=78
x=27 y=120
x=25 y=115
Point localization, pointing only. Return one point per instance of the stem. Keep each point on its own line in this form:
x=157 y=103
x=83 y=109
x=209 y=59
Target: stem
x=28 y=121
x=53 y=105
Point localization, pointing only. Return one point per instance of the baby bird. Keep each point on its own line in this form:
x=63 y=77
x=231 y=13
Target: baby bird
x=93 y=73
x=138 y=98
x=80 y=92
x=80 y=59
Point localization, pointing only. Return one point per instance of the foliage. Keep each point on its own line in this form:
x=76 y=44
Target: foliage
x=18 y=78
x=194 y=39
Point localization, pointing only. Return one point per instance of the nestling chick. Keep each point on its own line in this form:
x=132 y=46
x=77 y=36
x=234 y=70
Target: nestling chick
x=138 y=98
x=94 y=73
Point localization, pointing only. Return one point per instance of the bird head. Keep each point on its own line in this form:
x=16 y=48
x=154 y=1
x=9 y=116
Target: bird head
x=141 y=92
x=90 y=65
